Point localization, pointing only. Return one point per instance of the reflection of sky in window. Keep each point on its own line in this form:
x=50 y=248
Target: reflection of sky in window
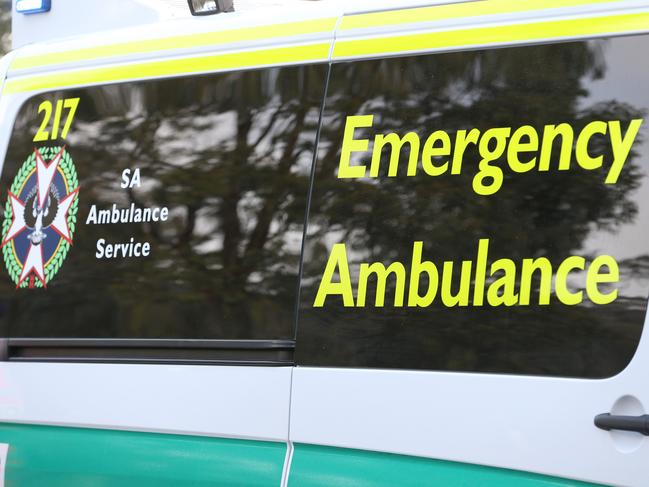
x=626 y=76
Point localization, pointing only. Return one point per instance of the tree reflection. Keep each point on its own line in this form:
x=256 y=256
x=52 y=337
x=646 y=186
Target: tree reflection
x=230 y=155
x=549 y=214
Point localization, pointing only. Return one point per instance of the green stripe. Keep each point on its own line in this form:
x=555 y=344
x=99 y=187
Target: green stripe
x=320 y=466
x=69 y=457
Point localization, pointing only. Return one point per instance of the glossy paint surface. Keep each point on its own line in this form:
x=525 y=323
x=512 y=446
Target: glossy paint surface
x=320 y=466
x=54 y=456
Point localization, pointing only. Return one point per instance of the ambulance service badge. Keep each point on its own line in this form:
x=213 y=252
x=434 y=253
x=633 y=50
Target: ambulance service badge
x=40 y=217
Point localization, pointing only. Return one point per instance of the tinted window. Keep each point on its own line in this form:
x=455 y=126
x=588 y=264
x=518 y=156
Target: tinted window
x=482 y=211
x=189 y=215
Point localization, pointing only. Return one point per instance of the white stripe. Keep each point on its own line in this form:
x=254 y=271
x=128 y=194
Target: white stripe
x=224 y=401
x=287 y=464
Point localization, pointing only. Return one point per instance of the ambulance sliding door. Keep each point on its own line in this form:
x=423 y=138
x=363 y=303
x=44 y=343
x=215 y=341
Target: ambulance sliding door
x=475 y=271
x=151 y=238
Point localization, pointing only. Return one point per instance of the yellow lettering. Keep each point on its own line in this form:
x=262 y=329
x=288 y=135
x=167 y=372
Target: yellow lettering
x=502 y=291
x=381 y=279
x=550 y=133
x=480 y=272
x=430 y=150
x=594 y=277
x=337 y=260
x=507 y=283
x=462 y=141
x=561 y=280
x=584 y=159
x=416 y=269
x=621 y=147
x=345 y=169
x=487 y=171
x=462 y=296
x=527 y=273
x=516 y=146
x=396 y=143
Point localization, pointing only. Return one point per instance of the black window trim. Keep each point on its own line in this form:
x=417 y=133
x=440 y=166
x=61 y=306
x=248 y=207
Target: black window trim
x=149 y=351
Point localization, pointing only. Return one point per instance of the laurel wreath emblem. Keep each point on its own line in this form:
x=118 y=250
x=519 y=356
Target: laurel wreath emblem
x=14 y=267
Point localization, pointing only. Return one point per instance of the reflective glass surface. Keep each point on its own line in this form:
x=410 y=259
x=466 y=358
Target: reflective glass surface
x=189 y=212
x=482 y=211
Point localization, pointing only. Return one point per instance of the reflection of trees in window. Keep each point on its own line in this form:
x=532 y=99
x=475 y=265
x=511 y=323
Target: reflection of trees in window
x=532 y=215
x=230 y=155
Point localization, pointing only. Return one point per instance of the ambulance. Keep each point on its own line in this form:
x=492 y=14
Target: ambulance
x=325 y=243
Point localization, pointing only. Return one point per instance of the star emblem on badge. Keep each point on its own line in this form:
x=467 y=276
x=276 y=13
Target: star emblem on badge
x=37 y=211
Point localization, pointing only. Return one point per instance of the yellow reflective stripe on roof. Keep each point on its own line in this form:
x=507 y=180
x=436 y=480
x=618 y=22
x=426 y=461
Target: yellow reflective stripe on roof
x=177 y=42
x=478 y=36
x=455 y=11
x=188 y=65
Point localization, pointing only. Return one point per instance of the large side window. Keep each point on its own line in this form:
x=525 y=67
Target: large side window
x=159 y=209
x=482 y=211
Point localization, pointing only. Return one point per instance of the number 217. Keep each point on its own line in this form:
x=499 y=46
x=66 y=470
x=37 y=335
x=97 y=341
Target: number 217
x=70 y=104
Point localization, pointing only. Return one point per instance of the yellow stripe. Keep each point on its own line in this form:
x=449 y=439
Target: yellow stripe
x=178 y=42
x=492 y=35
x=294 y=54
x=440 y=12
x=456 y=10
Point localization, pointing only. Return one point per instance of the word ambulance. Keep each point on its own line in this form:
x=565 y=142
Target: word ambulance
x=499 y=283
x=525 y=148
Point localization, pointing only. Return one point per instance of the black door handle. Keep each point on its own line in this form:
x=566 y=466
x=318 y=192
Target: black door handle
x=639 y=424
